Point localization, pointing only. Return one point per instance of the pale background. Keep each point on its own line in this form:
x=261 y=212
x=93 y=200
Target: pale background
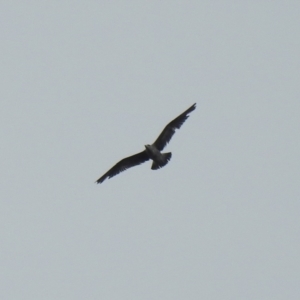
x=86 y=83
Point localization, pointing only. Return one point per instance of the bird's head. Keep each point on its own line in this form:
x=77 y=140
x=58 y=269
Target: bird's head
x=147 y=146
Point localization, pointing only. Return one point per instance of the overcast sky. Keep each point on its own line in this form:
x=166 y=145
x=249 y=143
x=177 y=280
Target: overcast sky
x=87 y=83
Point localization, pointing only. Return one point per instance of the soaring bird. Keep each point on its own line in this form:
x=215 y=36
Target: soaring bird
x=152 y=151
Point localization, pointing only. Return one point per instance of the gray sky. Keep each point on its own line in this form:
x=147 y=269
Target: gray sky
x=86 y=83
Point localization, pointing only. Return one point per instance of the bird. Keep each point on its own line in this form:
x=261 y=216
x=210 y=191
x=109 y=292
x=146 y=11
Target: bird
x=153 y=151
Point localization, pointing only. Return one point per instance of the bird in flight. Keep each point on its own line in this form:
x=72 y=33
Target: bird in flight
x=152 y=151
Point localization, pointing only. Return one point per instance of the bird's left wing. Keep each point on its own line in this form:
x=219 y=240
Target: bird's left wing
x=166 y=135
x=125 y=164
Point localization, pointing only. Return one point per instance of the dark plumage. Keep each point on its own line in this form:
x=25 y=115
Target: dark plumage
x=151 y=151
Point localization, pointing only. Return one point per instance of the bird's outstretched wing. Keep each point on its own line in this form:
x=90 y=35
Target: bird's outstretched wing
x=125 y=164
x=166 y=135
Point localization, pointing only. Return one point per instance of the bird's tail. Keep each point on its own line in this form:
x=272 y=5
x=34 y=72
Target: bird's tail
x=166 y=158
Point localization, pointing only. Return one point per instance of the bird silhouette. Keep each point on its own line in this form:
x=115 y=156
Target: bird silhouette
x=151 y=151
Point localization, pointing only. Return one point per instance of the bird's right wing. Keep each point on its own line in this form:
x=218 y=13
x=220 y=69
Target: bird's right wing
x=125 y=164
x=166 y=135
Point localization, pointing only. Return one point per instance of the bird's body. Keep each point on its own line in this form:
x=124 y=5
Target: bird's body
x=151 y=151
x=159 y=159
